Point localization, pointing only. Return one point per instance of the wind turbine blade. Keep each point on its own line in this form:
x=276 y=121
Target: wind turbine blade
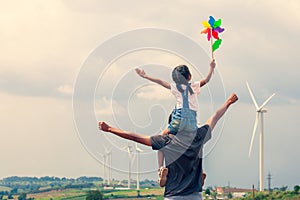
x=252 y=96
x=253 y=133
x=261 y=107
x=128 y=150
x=137 y=148
x=105 y=149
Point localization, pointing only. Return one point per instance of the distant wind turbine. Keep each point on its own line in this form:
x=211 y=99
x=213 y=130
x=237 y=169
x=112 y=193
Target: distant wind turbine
x=108 y=153
x=259 y=113
x=129 y=151
x=138 y=150
x=106 y=165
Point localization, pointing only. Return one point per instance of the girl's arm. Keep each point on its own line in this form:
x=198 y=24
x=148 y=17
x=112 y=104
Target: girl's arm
x=211 y=71
x=143 y=74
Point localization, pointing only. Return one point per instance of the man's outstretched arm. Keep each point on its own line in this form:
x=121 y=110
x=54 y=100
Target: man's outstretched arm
x=212 y=121
x=142 y=139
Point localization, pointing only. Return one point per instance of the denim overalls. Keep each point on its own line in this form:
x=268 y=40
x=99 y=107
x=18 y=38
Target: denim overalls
x=183 y=118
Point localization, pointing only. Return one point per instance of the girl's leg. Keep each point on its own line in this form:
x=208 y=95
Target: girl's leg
x=160 y=154
x=203 y=178
x=142 y=139
x=162 y=171
x=166 y=131
x=160 y=159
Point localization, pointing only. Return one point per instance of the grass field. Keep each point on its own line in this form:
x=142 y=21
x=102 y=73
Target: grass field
x=2 y=188
x=72 y=194
x=143 y=192
x=60 y=194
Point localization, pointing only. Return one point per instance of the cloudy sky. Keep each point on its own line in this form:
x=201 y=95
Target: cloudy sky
x=46 y=46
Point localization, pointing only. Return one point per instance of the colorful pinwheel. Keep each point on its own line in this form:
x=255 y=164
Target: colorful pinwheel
x=212 y=28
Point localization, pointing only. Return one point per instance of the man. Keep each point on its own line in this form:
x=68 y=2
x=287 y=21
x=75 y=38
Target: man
x=183 y=154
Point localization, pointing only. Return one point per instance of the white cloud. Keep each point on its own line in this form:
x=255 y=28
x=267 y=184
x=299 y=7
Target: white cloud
x=154 y=93
x=66 y=89
x=106 y=107
x=41 y=129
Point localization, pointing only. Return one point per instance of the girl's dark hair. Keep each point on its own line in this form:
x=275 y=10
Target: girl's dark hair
x=180 y=76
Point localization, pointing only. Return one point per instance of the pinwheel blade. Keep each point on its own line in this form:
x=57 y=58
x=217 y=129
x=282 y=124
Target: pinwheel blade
x=209 y=35
x=253 y=134
x=206 y=24
x=215 y=34
x=211 y=21
x=205 y=30
x=217 y=23
x=219 y=29
x=216 y=44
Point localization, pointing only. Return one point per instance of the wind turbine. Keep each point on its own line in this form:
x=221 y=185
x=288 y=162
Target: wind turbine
x=104 y=167
x=106 y=159
x=129 y=150
x=138 y=150
x=108 y=153
x=259 y=113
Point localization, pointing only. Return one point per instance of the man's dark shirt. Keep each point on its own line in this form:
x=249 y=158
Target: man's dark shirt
x=183 y=157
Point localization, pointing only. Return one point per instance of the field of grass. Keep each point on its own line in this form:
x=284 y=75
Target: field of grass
x=2 y=188
x=72 y=194
x=59 y=194
x=143 y=192
x=153 y=193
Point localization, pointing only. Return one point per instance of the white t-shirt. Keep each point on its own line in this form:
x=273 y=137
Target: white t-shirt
x=193 y=103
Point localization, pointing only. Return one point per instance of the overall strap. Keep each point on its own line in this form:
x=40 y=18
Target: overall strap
x=185 y=95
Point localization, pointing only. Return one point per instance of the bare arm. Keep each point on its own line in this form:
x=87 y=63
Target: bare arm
x=142 y=139
x=143 y=74
x=210 y=72
x=212 y=121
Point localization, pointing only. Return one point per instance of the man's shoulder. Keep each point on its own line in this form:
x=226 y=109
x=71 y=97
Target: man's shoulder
x=203 y=129
x=204 y=133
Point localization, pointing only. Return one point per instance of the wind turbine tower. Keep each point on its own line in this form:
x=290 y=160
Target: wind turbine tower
x=138 y=150
x=259 y=113
x=104 y=167
x=107 y=164
x=129 y=150
x=109 y=160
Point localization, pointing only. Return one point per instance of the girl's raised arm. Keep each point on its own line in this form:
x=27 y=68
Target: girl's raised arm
x=211 y=71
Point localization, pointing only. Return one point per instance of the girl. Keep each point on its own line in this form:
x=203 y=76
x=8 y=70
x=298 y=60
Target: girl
x=186 y=101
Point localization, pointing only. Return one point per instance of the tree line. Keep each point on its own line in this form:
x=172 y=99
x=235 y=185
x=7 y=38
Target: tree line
x=14 y=179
